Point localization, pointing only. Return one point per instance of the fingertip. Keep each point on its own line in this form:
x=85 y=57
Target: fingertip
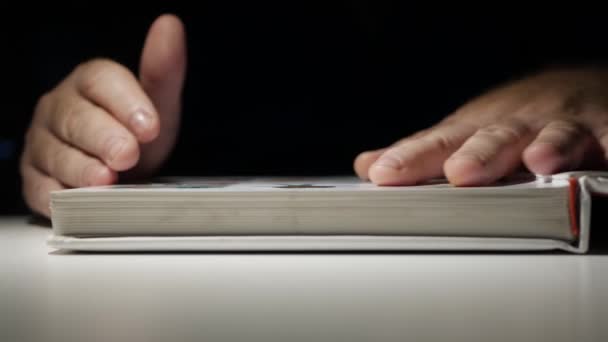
x=462 y=171
x=363 y=162
x=123 y=154
x=389 y=171
x=385 y=175
x=168 y=21
x=145 y=125
x=103 y=176
x=164 y=50
x=543 y=158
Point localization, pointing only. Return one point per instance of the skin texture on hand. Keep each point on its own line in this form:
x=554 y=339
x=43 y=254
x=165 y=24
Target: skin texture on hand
x=554 y=121
x=102 y=122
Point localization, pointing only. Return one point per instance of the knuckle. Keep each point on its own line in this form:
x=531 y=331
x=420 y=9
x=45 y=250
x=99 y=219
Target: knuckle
x=441 y=142
x=111 y=146
x=397 y=154
x=71 y=123
x=94 y=64
x=420 y=134
x=43 y=108
x=568 y=128
x=504 y=134
x=480 y=154
x=561 y=135
x=90 y=82
x=43 y=103
x=98 y=71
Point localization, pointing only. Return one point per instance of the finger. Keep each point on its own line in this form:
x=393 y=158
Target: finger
x=560 y=145
x=491 y=153
x=420 y=159
x=162 y=73
x=114 y=88
x=37 y=188
x=599 y=125
x=90 y=128
x=364 y=160
x=68 y=165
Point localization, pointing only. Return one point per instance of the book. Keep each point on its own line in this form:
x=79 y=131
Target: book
x=521 y=212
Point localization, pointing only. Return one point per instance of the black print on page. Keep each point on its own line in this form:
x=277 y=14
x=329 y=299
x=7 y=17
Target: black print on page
x=303 y=186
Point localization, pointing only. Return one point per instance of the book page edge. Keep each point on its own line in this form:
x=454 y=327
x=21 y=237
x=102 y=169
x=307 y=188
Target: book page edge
x=304 y=243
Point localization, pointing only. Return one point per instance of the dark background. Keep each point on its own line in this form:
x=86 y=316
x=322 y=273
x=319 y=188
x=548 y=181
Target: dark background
x=294 y=87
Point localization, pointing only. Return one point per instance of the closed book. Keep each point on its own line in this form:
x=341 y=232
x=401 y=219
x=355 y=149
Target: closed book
x=521 y=212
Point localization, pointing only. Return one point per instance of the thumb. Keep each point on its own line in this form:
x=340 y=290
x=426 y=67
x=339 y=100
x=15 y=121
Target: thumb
x=161 y=73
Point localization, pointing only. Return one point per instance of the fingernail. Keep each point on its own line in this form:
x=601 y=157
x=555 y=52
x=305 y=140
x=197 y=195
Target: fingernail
x=388 y=162
x=115 y=145
x=141 y=121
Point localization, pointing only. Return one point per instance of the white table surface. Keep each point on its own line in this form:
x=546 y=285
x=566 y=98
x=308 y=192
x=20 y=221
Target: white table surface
x=47 y=295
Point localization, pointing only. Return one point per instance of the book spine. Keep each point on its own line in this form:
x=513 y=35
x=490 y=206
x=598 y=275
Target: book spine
x=573 y=206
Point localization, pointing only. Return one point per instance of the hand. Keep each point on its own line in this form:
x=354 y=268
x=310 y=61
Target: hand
x=101 y=120
x=551 y=122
